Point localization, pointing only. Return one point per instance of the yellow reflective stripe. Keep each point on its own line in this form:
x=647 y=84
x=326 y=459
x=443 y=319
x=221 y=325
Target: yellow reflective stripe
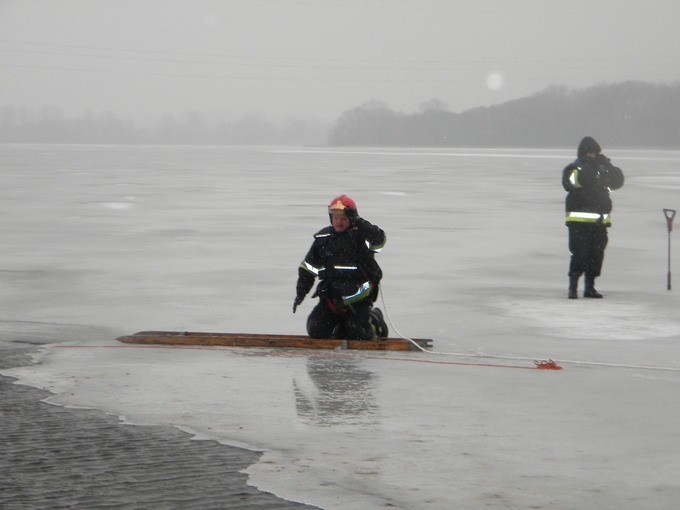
x=573 y=178
x=376 y=247
x=360 y=294
x=586 y=217
x=314 y=270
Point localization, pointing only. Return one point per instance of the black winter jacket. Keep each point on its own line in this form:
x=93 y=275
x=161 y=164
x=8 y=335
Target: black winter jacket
x=344 y=263
x=589 y=181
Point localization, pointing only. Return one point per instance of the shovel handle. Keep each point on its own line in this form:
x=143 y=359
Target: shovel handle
x=670 y=215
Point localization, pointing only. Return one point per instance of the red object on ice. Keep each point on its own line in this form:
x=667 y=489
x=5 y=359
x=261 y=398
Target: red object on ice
x=547 y=365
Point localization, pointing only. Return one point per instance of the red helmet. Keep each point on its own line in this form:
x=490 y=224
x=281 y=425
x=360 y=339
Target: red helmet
x=338 y=204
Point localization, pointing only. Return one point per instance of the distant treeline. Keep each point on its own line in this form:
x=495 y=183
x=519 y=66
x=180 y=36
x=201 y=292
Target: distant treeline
x=635 y=114
x=50 y=125
x=629 y=114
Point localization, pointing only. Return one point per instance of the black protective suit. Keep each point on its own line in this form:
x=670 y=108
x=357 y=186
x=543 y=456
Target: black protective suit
x=588 y=181
x=349 y=277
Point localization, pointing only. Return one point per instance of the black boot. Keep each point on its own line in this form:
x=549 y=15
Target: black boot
x=378 y=323
x=590 y=291
x=573 y=286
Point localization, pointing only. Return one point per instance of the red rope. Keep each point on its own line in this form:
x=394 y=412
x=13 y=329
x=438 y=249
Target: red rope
x=547 y=365
x=541 y=365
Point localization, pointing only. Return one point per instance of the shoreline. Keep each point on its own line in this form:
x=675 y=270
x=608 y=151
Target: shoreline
x=81 y=458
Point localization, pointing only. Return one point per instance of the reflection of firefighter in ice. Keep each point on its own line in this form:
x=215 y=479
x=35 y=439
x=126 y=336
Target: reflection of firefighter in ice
x=341 y=392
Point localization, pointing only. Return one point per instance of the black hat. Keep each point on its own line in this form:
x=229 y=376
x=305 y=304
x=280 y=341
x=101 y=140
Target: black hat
x=588 y=144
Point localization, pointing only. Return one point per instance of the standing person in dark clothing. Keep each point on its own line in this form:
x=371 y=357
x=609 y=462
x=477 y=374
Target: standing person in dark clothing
x=588 y=180
x=342 y=256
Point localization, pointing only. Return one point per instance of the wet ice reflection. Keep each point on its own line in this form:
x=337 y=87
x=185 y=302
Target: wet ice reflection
x=336 y=391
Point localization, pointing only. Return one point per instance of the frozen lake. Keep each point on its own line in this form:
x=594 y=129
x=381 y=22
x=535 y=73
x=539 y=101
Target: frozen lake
x=126 y=238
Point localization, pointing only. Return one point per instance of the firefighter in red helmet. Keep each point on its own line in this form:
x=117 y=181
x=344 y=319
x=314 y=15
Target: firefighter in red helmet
x=342 y=256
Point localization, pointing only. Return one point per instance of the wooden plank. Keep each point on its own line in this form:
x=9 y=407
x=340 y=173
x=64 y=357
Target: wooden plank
x=265 y=340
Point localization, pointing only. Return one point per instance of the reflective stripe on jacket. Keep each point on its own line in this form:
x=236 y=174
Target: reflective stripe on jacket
x=573 y=177
x=588 y=217
x=362 y=292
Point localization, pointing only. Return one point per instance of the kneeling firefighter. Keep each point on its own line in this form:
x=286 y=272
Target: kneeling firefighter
x=342 y=256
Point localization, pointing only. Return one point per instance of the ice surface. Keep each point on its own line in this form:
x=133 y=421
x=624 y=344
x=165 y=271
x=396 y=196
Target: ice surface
x=121 y=239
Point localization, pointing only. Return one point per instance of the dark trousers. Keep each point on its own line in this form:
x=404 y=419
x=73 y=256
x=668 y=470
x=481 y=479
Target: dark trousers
x=354 y=325
x=587 y=242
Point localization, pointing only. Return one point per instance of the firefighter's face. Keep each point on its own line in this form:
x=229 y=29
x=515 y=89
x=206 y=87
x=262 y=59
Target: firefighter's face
x=340 y=222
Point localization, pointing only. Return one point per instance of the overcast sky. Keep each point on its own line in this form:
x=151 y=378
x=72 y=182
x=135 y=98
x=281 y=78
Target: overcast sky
x=318 y=58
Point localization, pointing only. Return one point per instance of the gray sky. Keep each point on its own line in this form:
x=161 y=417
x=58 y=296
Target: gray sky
x=318 y=58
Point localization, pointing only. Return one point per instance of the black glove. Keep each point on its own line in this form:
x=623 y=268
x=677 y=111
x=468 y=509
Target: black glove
x=352 y=215
x=297 y=302
x=604 y=160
